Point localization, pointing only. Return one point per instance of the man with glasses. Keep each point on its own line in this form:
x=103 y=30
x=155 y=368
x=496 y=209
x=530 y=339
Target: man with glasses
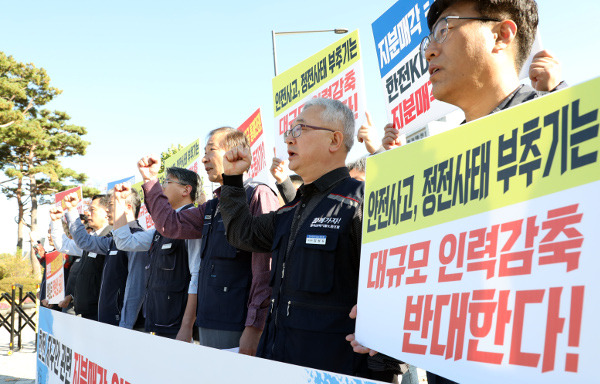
x=476 y=50
x=233 y=291
x=172 y=272
x=315 y=240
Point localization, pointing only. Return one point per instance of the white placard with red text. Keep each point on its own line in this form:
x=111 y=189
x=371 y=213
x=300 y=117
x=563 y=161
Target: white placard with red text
x=335 y=72
x=75 y=350
x=479 y=261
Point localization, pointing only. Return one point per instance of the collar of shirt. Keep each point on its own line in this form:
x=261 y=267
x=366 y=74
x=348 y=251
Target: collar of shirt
x=324 y=182
x=505 y=103
x=518 y=96
x=98 y=232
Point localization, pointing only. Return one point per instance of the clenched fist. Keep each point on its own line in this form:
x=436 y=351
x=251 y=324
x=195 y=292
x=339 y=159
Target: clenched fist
x=544 y=71
x=56 y=213
x=122 y=191
x=149 y=167
x=237 y=161
x=391 y=137
x=71 y=201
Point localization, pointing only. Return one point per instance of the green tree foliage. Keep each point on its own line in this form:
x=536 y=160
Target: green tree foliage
x=33 y=141
x=168 y=153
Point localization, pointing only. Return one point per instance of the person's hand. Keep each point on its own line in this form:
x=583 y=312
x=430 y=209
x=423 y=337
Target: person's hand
x=56 y=213
x=236 y=161
x=149 y=167
x=365 y=135
x=545 y=71
x=66 y=301
x=185 y=334
x=71 y=201
x=44 y=303
x=278 y=168
x=122 y=192
x=249 y=341
x=356 y=346
x=391 y=137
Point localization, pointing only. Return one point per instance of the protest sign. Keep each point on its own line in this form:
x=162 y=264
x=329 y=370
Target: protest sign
x=75 y=350
x=253 y=129
x=479 y=256
x=144 y=218
x=335 y=72
x=111 y=185
x=55 y=277
x=404 y=71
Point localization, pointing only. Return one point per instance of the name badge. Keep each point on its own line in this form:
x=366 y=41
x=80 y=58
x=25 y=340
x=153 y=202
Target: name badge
x=92 y=255
x=167 y=246
x=316 y=239
x=112 y=253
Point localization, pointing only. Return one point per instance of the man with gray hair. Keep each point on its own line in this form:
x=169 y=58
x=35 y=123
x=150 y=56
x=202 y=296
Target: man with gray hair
x=233 y=291
x=315 y=242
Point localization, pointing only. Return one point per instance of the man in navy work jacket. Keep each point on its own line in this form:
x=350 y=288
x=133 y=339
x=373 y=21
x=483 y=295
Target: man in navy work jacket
x=315 y=240
x=233 y=290
x=172 y=271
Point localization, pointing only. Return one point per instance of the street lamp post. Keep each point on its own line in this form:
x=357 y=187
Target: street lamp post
x=339 y=31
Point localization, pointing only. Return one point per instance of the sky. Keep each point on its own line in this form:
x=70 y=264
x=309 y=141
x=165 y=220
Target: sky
x=142 y=75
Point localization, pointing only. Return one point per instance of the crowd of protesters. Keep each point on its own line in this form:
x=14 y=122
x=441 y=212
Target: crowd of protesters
x=255 y=269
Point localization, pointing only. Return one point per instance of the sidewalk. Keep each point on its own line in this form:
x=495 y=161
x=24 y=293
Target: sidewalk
x=19 y=367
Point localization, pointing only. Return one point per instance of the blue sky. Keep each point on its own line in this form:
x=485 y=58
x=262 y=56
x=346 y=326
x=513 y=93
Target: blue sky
x=142 y=75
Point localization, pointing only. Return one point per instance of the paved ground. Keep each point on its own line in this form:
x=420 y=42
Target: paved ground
x=18 y=367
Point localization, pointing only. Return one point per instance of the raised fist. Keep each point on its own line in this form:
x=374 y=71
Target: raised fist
x=56 y=213
x=544 y=71
x=122 y=191
x=237 y=161
x=149 y=167
x=391 y=137
x=71 y=201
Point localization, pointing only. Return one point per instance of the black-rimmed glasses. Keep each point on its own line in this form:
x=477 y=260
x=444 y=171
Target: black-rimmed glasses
x=439 y=31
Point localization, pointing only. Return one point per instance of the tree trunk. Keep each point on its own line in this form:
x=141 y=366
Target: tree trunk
x=35 y=264
x=21 y=212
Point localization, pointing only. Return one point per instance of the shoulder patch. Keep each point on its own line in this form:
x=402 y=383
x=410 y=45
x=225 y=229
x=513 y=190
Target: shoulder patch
x=287 y=208
x=344 y=199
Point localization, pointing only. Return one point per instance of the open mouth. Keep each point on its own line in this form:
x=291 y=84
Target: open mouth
x=291 y=154
x=433 y=70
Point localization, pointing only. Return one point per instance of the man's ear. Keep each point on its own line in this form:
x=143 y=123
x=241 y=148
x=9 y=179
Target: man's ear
x=505 y=33
x=337 y=141
x=187 y=190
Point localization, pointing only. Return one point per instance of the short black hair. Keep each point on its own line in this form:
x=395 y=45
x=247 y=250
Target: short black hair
x=523 y=12
x=186 y=177
x=104 y=201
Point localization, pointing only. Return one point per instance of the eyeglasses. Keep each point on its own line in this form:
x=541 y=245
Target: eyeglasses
x=296 y=130
x=168 y=181
x=439 y=32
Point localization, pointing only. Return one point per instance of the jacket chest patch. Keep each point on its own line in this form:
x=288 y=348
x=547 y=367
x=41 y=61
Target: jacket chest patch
x=326 y=222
